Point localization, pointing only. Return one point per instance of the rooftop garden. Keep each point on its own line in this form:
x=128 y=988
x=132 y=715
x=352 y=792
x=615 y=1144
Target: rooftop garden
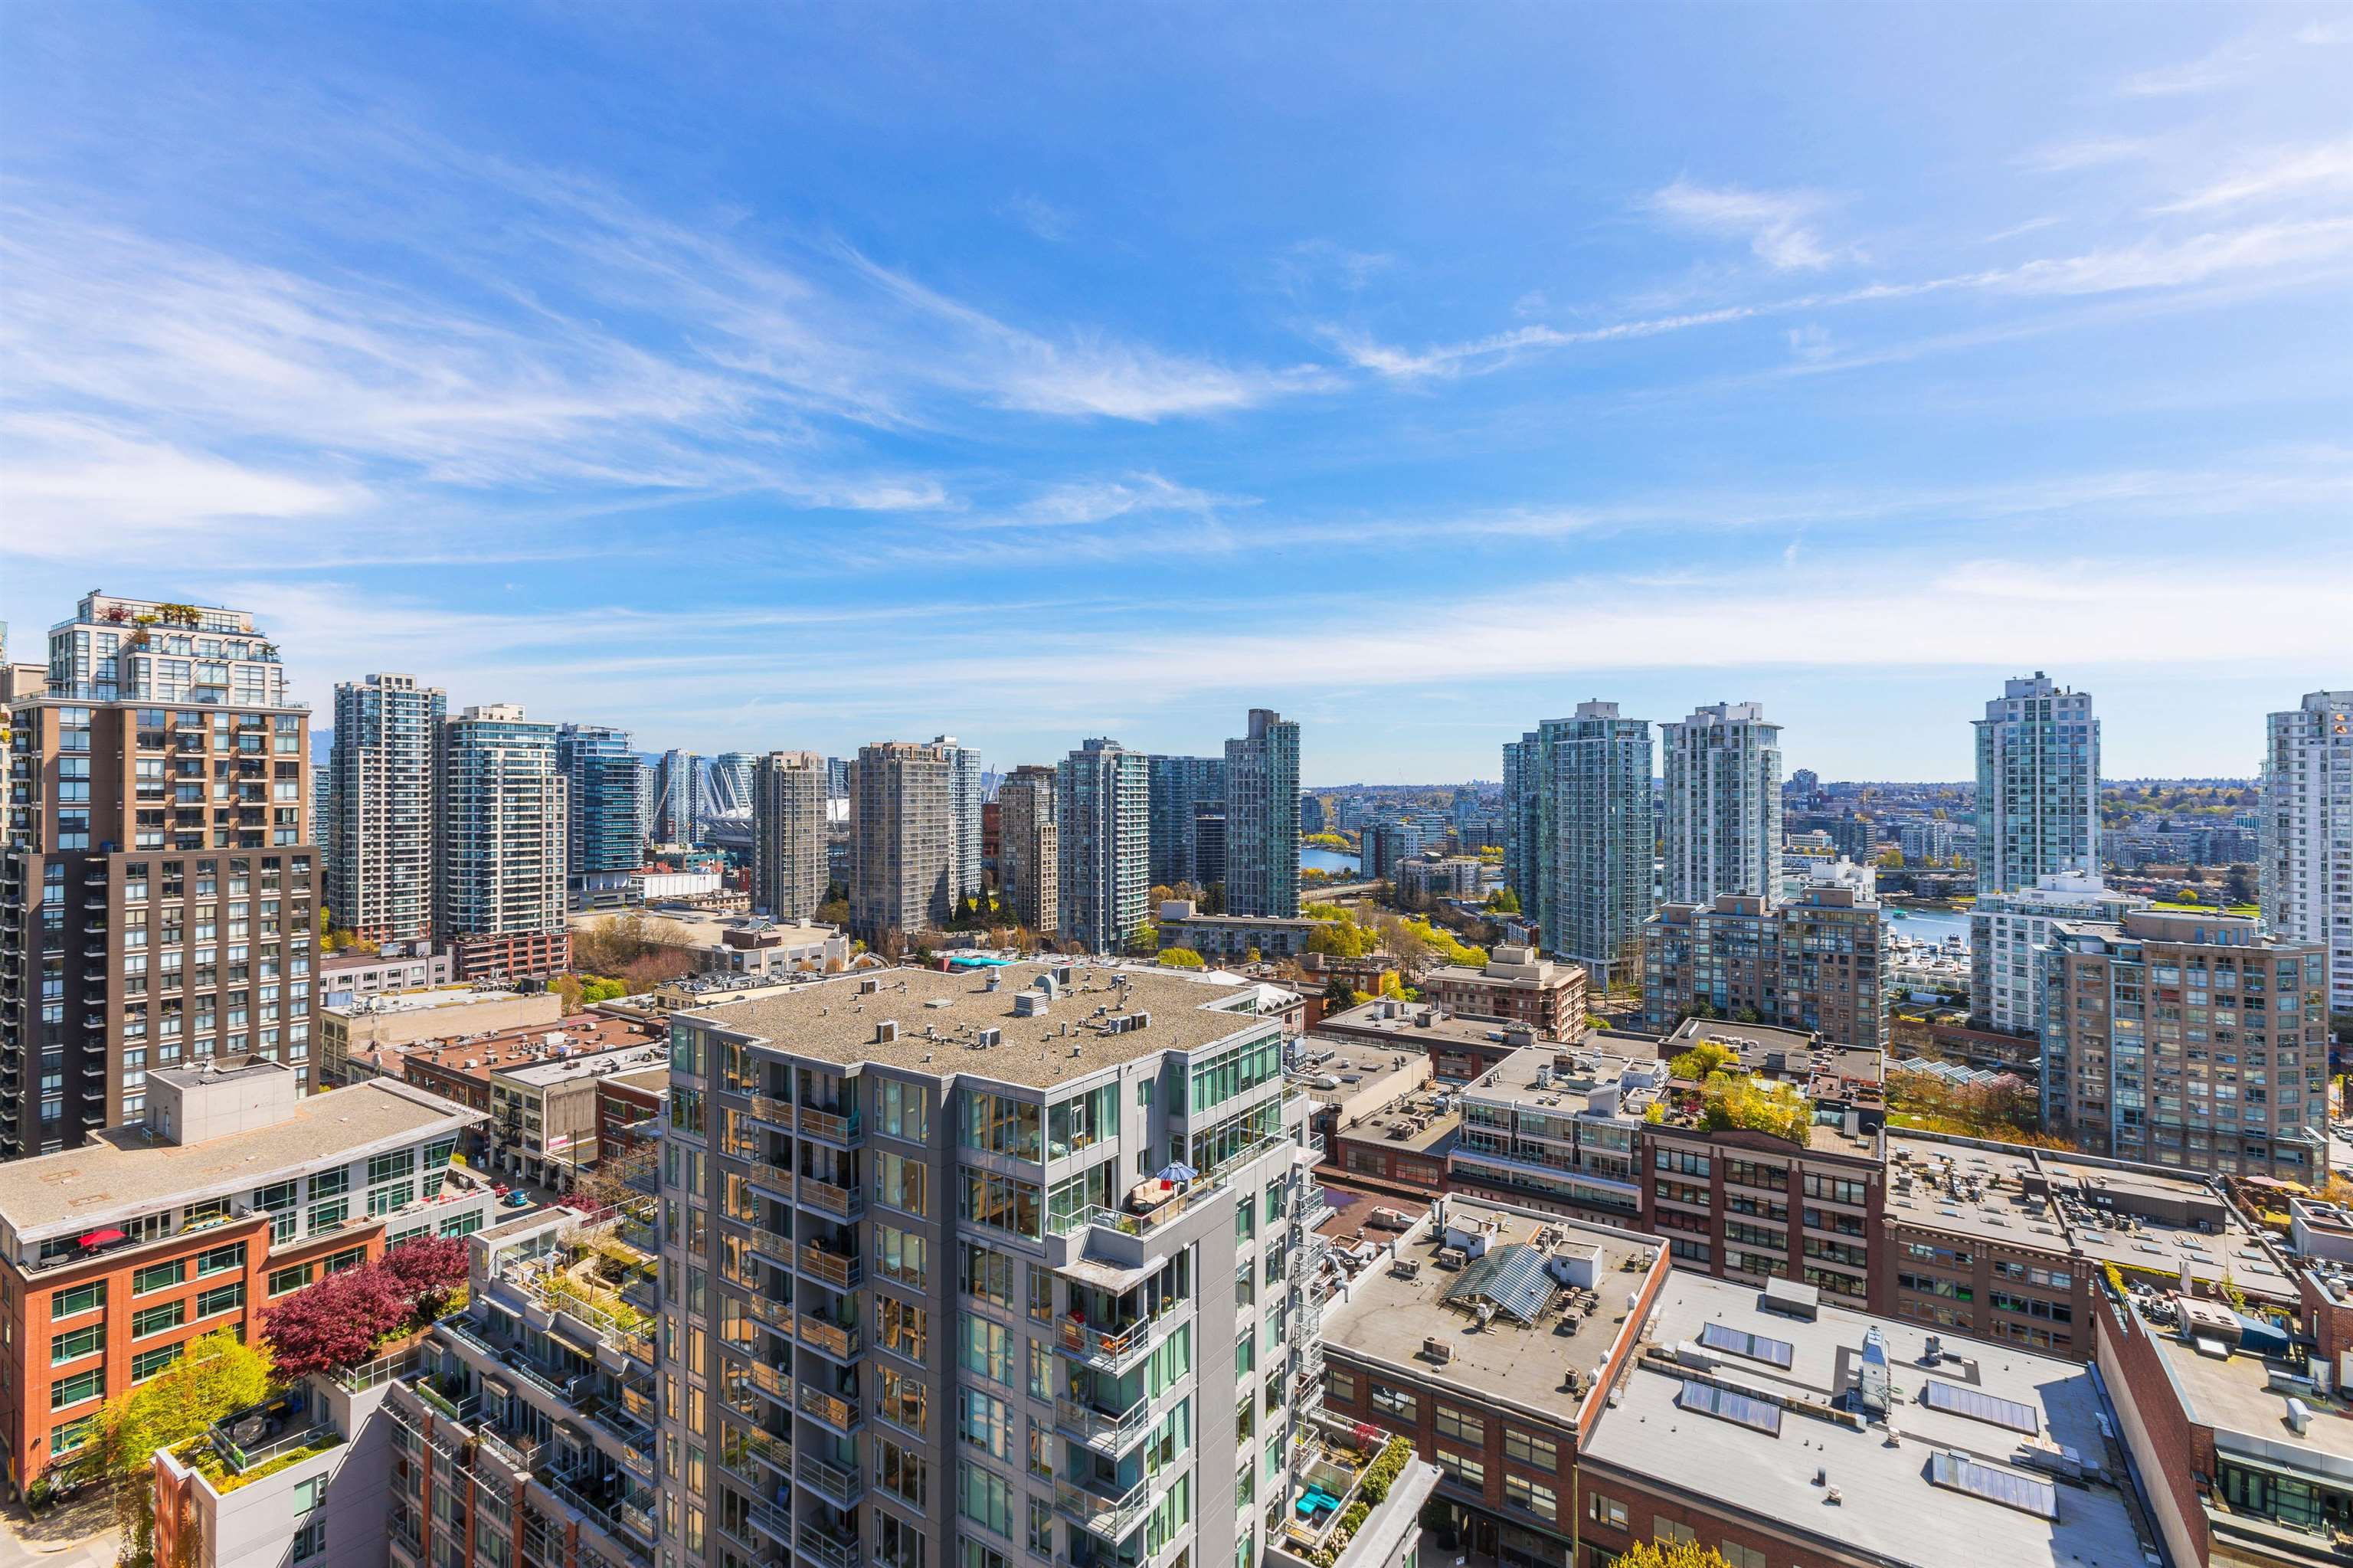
x=1714 y=1093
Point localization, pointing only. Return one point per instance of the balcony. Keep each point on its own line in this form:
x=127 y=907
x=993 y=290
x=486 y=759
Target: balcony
x=775 y=1314
x=1115 y=1349
x=829 y=1127
x=830 y=1339
x=845 y=1203
x=770 y=1111
x=821 y=1545
x=838 y=1485
x=1095 y=1506
x=769 y=1521
x=1112 y=1434
x=829 y=1410
x=834 y=1269
x=772 y=1180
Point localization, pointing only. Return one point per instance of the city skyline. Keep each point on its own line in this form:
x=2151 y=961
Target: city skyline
x=516 y=356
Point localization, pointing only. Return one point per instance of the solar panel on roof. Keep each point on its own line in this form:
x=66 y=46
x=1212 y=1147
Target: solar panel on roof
x=1741 y=1342
x=1959 y=1473
x=1511 y=1279
x=1740 y=1409
x=1978 y=1405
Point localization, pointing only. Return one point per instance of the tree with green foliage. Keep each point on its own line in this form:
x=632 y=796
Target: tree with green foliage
x=1182 y=959
x=215 y=1375
x=1504 y=901
x=1741 y=1100
x=1702 y=1062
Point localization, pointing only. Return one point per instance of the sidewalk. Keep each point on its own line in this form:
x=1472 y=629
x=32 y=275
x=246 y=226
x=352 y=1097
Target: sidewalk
x=78 y=1535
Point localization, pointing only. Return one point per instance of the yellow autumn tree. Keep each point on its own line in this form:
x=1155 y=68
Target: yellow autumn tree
x=216 y=1375
x=1670 y=1554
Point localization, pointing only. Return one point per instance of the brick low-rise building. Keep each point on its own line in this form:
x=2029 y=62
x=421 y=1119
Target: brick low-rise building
x=232 y=1191
x=1517 y=986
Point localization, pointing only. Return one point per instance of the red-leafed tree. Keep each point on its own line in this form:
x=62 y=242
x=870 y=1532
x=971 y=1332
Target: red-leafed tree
x=427 y=1273
x=335 y=1323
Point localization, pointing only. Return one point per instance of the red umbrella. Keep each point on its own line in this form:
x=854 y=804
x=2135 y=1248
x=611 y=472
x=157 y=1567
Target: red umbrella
x=99 y=1238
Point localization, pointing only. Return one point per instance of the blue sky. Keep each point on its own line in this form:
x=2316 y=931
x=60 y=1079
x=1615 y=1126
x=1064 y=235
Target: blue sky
x=763 y=378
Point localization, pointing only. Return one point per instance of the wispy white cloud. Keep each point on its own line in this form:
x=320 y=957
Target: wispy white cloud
x=74 y=488
x=1779 y=226
x=2087 y=153
x=2223 y=67
x=1084 y=502
x=2246 y=252
x=2286 y=170
x=1039 y=217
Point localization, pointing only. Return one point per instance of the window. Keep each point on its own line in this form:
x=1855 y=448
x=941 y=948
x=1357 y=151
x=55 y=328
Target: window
x=349 y=1257
x=1531 y=1448
x=158 y=1276
x=1530 y=1497
x=1669 y=1532
x=76 y=1343
x=74 y=1436
x=986 y=1274
x=900 y=1255
x=311 y=1540
x=903 y=1183
x=900 y=1472
x=974 y=1554
x=984 y=1498
x=385 y=1167
x=1460 y=1426
x=986 y=1348
x=219 y=1259
x=1398 y=1404
x=1471 y=1470
x=904 y=1110
x=1042 y=1527
x=221 y=1298
x=903 y=1328
x=1738 y=1556
x=328 y=1215
x=77 y=1298
x=904 y=1400
x=981 y=1422
x=1340 y=1385
x=285 y=1281
x=331 y=1183
x=158 y=1319
x=74 y=1389
x=147 y=1363
x=390 y=1200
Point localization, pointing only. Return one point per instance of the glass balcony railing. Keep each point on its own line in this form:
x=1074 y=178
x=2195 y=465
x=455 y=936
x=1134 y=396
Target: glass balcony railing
x=847 y=1203
x=1095 y=1505
x=839 y=1414
x=831 y=1127
x=830 y=1338
x=1115 y=1343
x=842 y=1273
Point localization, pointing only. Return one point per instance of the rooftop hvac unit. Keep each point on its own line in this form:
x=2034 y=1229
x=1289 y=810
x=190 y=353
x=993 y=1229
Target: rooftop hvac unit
x=1030 y=1004
x=886 y=1032
x=991 y=1037
x=1438 y=1349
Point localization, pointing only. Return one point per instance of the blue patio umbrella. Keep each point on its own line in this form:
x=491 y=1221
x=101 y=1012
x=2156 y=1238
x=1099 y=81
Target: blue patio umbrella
x=1179 y=1172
